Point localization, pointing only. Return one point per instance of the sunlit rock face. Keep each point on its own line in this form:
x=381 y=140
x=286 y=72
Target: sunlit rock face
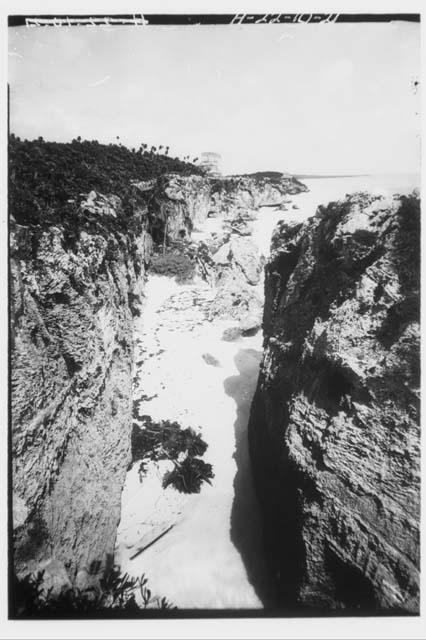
x=250 y=192
x=75 y=288
x=334 y=429
x=179 y=204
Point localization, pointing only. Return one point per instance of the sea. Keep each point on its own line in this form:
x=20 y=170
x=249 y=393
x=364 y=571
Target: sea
x=325 y=190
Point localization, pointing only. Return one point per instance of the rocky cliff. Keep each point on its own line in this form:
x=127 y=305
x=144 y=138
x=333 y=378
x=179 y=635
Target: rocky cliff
x=77 y=281
x=77 y=274
x=74 y=289
x=334 y=427
x=175 y=204
x=245 y=193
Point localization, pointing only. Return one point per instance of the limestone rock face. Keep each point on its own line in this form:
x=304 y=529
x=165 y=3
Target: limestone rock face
x=237 y=267
x=74 y=290
x=233 y=264
x=239 y=254
x=180 y=202
x=177 y=203
x=334 y=428
x=248 y=193
x=193 y=190
x=174 y=204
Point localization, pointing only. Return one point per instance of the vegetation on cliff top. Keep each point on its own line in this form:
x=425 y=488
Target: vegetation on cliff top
x=45 y=175
x=272 y=176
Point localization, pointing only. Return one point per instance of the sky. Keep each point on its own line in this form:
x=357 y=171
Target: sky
x=337 y=98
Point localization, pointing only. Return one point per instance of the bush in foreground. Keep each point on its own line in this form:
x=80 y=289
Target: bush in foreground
x=115 y=597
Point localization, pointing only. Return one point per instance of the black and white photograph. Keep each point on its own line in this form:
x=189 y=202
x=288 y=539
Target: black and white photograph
x=213 y=272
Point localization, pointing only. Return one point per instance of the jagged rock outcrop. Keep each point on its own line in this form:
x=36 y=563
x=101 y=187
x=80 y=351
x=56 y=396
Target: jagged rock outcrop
x=238 y=255
x=194 y=191
x=248 y=193
x=237 y=267
x=176 y=204
x=75 y=287
x=334 y=428
x=232 y=261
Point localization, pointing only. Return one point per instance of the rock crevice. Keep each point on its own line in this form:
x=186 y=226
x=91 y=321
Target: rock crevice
x=77 y=275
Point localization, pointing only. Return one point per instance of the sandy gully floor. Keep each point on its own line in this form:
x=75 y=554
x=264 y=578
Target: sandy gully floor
x=212 y=555
x=203 y=550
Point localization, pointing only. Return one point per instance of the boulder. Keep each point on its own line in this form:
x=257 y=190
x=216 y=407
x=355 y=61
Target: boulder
x=250 y=324
x=239 y=255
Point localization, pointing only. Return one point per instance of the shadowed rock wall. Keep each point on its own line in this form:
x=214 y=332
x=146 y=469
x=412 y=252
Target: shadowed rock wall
x=334 y=429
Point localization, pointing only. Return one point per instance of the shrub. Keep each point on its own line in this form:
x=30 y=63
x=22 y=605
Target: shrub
x=166 y=440
x=188 y=476
x=173 y=265
x=115 y=597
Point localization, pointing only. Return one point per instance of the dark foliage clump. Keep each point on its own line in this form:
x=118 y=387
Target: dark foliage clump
x=211 y=360
x=272 y=176
x=166 y=440
x=173 y=264
x=114 y=597
x=188 y=476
